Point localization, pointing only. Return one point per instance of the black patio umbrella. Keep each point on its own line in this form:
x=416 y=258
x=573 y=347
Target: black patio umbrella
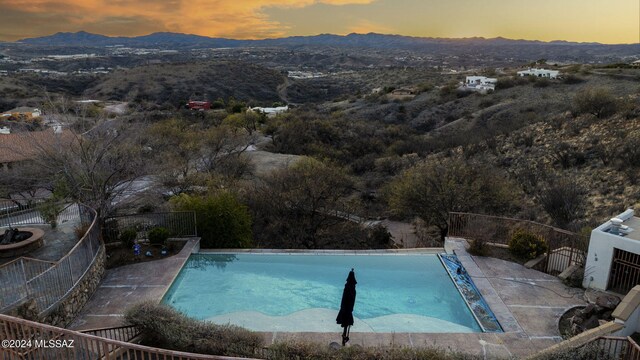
x=345 y=316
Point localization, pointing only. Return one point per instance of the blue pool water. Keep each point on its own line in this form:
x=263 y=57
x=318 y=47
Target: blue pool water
x=302 y=292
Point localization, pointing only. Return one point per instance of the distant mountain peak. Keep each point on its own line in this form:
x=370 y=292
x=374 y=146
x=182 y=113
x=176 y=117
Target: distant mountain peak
x=368 y=40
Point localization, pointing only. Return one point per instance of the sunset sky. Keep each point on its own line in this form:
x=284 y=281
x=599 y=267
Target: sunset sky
x=605 y=21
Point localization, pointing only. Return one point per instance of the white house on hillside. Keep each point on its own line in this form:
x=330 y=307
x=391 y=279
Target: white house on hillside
x=613 y=261
x=481 y=83
x=549 y=74
x=271 y=111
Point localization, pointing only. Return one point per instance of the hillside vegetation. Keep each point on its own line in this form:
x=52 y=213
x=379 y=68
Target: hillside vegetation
x=173 y=84
x=562 y=152
x=538 y=133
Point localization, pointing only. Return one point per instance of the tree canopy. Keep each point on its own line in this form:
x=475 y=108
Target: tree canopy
x=431 y=190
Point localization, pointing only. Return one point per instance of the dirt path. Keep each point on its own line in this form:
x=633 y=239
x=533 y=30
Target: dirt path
x=265 y=161
x=402 y=232
x=119 y=108
x=282 y=91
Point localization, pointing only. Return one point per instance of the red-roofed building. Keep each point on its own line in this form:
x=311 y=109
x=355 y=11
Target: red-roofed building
x=199 y=105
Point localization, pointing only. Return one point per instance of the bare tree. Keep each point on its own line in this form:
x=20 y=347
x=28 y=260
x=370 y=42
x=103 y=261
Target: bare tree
x=99 y=167
x=189 y=155
x=597 y=101
x=296 y=207
x=565 y=202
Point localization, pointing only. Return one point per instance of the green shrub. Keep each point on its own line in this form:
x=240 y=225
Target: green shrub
x=542 y=82
x=127 y=237
x=478 y=247
x=223 y=222
x=308 y=350
x=598 y=102
x=49 y=211
x=81 y=230
x=526 y=245
x=166 y=327
x=158 y=236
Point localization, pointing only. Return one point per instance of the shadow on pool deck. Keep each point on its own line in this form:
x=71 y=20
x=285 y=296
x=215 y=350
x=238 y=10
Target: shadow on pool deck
x=527 y=303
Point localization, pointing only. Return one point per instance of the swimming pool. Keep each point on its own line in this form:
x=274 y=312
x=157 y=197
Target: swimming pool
x=302 y=292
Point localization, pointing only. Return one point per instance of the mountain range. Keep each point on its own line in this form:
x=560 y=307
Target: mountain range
x=506 y=48
x=83 y=38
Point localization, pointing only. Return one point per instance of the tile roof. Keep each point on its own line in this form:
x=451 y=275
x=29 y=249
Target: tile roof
x=29 y=145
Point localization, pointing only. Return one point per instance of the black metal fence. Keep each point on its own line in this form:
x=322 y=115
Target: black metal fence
x=179 y=224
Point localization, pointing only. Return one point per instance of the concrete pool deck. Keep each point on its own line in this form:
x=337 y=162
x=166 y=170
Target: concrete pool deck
x=126 y=285
x=527 y=303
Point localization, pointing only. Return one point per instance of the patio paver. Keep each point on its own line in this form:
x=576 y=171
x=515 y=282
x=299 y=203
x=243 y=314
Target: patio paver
x=123 y=286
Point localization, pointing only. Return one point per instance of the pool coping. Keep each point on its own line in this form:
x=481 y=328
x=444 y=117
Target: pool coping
x=311 y=252
x=414 y=251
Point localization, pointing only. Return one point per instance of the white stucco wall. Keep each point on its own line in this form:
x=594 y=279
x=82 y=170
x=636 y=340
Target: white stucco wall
x=600 y=256
x=550 y=74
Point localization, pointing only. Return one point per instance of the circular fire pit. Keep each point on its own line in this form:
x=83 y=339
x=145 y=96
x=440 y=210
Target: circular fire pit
x=18 y=248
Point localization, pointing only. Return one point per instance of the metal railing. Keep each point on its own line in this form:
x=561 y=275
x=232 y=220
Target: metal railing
x=47 y=283
x=564 y=247
x=36 y=211
x=77 y=345
x=121 y=333
x=179 y=224
x=610 y=347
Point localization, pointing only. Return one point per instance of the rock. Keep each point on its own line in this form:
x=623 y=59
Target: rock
x=590 y=295
x=576 y=329
x=576 y=319
x=607 y=315
x=602 y=322
x=608 y=301
x=588 y=310
x=591 y=322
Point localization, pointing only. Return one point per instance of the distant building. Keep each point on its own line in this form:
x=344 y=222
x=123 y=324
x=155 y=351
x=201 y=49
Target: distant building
x=544 y=73
x=26 y=146
x=22 y=111
x=271 y=111
x=480 y=83
x=613 y=260
x=405 y=91
x=199 y=105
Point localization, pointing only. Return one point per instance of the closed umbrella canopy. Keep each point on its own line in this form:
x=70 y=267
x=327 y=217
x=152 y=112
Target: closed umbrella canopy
x=345 y=315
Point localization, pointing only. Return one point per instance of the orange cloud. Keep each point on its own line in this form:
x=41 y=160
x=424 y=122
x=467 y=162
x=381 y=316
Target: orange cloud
x=223 y=18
